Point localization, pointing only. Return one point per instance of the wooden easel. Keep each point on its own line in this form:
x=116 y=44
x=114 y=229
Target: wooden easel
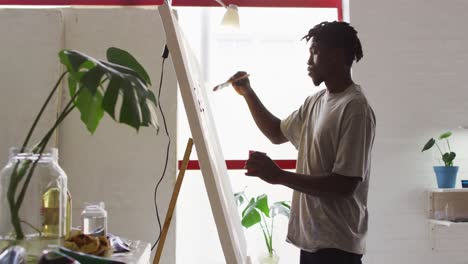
x=172 y=204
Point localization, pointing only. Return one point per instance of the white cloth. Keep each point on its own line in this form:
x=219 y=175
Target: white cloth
x=333 y=133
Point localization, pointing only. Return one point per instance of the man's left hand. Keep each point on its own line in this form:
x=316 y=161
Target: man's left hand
x=260 y=165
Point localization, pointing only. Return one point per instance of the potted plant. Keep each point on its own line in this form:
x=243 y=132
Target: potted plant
x=446 y=175
x=258 y=212
x=117 y=86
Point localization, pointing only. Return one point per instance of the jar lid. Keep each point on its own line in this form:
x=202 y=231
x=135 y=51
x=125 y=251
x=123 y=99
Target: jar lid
x=48 y=154
x=94 y=210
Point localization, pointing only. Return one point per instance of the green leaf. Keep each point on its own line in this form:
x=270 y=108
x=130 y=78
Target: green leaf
x=71 y=60
x=145 y=98
x=452 y=156
x=262 y=204
x=152 y=104
x=445 y=135
x=72 y=83
x=74 y=79
x=286 y=204
x=251 y=204
x=122 y=57
x=240 y=198
x=92 y=79
x=90 y=107
x=428 y=145
x=251 y=217
x=280 y=208
x=111 y=96
x=138 y=102
x=448 y=158
x=75 y=62
x=130 y=111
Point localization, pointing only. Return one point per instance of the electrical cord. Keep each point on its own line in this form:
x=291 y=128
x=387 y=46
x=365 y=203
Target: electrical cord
x=164 y=56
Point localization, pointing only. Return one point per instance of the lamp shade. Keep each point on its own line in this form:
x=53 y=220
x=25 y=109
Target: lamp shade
x=231 y=18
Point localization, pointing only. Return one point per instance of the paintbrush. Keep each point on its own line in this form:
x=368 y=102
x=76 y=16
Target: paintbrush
x=226 y=84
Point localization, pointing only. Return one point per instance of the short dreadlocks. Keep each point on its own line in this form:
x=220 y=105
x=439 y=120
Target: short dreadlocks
x=338 y=35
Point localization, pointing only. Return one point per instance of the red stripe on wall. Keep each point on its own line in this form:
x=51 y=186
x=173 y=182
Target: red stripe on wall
x=340 y=10
x=239 y=164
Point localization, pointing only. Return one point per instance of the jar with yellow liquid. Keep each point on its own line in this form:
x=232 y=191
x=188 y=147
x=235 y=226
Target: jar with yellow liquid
x=45 y=209
x=50 y=213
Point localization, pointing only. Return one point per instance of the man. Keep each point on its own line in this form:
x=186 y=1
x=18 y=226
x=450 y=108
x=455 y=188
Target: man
x=333 y=132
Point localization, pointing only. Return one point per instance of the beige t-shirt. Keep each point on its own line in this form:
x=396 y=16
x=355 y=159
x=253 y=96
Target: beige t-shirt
x=333 y=132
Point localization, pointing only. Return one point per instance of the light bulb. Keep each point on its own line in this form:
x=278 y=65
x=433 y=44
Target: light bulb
x=231 y=18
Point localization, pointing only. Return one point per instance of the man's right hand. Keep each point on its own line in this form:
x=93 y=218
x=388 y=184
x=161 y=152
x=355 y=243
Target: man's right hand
x=241 y=86
x=266 y=122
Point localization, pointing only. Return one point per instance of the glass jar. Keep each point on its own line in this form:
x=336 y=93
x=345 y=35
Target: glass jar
x=34 y=199
x=267 y=258
x=94 y=219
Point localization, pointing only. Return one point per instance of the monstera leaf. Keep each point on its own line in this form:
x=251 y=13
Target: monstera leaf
x=240 y=198
x=251 y=214
x=262 y=204
x=106 y=86
x=280 y=208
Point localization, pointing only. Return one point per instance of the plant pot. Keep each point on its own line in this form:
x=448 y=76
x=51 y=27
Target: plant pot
x=267 y=259
x=446 y=176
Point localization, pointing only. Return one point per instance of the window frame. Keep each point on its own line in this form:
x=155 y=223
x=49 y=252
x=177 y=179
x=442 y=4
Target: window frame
x=338 y=4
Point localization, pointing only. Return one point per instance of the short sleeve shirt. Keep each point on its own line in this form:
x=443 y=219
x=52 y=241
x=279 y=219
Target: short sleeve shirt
x=333 y=133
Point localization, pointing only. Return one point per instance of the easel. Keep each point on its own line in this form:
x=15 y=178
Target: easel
x=172 y=204
x=209 y=149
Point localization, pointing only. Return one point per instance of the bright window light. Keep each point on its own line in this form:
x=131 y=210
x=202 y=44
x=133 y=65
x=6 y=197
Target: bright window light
x=269 y=47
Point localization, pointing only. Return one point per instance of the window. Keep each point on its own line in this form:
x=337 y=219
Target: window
x=268 y=46
x=81 y=2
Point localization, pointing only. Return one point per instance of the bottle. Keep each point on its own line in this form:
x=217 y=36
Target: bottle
x=50 y=213
x=44 y=202
x=94 y=219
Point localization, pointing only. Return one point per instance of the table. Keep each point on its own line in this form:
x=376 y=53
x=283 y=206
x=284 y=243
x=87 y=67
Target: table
x=140 y=251
x=141 y=254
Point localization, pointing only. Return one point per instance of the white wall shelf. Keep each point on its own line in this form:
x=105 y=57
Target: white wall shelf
x=445 y=235
x=448 y=190
x=448 y=236
x=447 y=204
x=446 y=223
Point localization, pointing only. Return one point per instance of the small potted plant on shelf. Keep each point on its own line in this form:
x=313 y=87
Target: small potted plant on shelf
x=446 y=175
x=258 y=212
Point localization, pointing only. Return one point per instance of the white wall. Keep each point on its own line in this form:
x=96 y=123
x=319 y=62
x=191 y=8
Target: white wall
x=115 y=165
x=28 y=71
x=414 y=74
